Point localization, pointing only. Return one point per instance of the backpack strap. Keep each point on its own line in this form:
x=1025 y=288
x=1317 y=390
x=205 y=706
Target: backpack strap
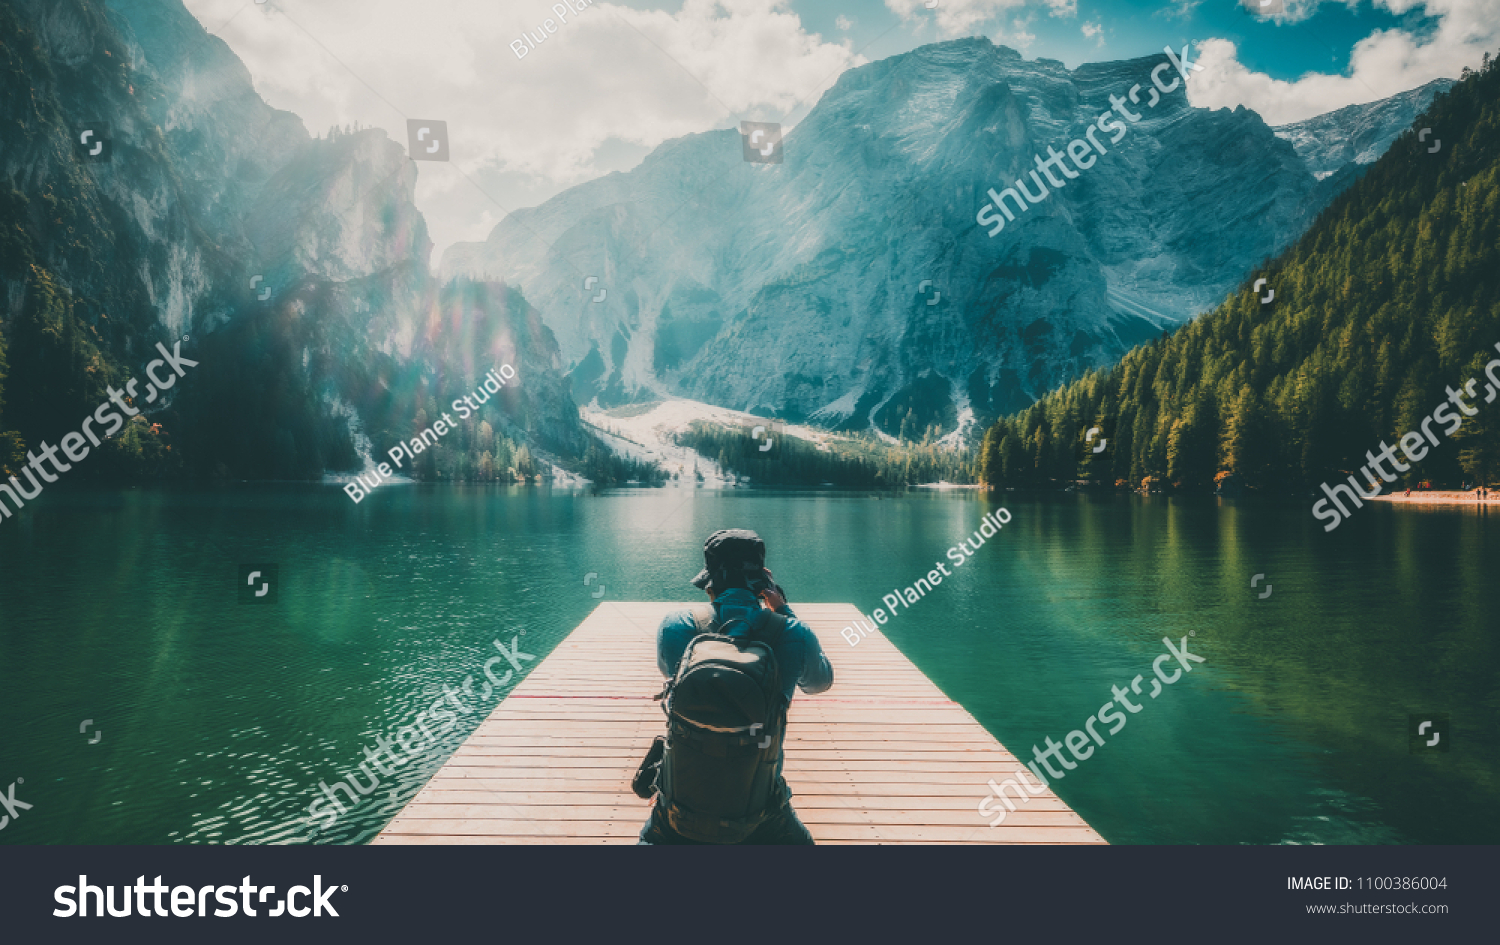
x=766 y=626
x=704 y=621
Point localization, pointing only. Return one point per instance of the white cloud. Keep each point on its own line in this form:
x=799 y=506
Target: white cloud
x=1382 y=64
x=958 y=17
x=606 y=73
x=1295 y=11
x=1092 y=30
x=843 y=23
x=1063 y=8
x=1180 y=9
x=1020 y=38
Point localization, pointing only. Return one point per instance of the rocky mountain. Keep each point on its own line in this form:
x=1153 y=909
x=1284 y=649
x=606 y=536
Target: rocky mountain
x=1357 y=134
x=852 y=284
x=297 y=265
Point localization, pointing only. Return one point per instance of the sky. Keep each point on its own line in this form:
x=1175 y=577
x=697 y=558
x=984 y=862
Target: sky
x=612 y=80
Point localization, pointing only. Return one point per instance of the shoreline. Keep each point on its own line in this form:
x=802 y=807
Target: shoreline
x=1437 y=497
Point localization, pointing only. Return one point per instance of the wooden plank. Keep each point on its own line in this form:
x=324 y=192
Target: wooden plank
x=806 y=800
x=812 y=759
x=806 y=787
x=478 y=811
x=883 y=757
x=519 y=732
x=503 y=743
x=582 y=841
x=629 y=830
x=979 y=785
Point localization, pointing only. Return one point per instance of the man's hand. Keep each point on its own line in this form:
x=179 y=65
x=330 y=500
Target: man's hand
x=772 y=595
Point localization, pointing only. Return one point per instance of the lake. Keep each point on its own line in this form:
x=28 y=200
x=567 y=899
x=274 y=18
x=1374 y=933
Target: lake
x=213 y=721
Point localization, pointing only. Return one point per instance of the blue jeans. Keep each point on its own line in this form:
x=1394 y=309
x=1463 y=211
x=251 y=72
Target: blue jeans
x=781 y=828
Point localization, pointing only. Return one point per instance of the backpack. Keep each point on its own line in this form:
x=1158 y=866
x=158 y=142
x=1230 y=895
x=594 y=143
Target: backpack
x=726 y=719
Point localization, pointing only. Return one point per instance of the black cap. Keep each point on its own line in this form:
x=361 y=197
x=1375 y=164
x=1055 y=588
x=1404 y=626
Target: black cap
x=730 y=552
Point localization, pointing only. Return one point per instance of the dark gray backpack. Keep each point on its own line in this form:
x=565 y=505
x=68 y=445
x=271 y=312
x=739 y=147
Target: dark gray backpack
x=726 y=719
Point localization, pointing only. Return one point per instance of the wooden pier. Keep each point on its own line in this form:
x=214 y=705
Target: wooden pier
x=882 y=757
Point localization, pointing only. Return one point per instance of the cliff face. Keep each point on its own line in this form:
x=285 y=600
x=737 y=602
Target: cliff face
x=852 y=284
x=203 y=200
x=116 y=231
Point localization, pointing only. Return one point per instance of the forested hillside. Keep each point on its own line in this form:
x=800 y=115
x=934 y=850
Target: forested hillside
x=1391 y=297
x=858 y=462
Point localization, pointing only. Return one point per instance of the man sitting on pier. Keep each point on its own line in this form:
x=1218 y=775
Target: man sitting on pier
x=720 y=779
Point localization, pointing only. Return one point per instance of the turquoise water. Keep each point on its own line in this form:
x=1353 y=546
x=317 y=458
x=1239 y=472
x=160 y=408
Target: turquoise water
x=216 y=720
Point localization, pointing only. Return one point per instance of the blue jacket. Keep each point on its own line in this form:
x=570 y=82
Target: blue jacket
x=799 y=656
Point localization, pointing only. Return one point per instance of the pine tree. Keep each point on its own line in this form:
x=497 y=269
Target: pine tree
x=12 y=447
x=1479 y=438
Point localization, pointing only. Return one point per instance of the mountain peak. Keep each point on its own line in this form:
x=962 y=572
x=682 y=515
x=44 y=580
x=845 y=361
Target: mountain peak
x=859 y=262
